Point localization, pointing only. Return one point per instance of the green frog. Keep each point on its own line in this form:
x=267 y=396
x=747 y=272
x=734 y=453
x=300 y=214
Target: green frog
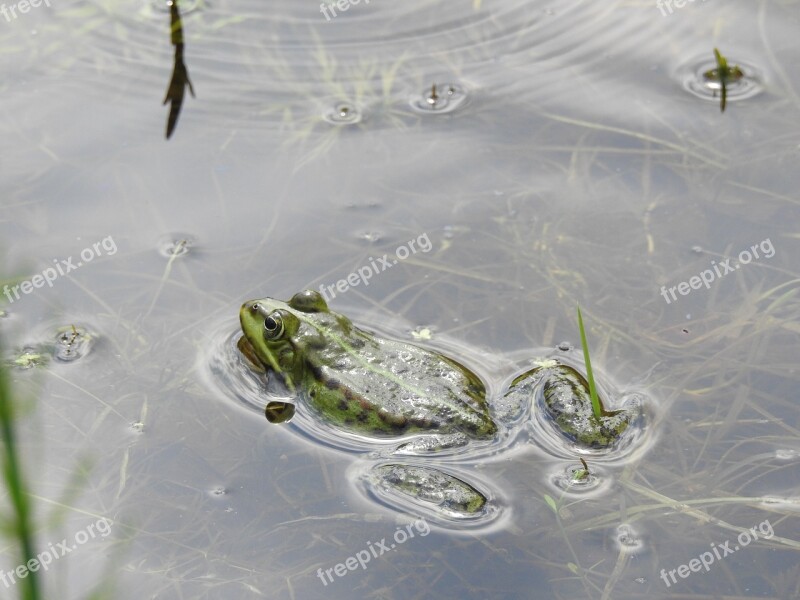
x=363 y=383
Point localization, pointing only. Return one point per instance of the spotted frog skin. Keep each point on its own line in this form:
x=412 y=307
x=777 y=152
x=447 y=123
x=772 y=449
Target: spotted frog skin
x=383 y=388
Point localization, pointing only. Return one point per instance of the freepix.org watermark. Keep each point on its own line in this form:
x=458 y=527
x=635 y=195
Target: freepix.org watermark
x=50 y=274
x=342 y=5
x=706 y=559
x=22 y=6
x=661 y=4
x=365 y=273
x=362 y=557
x=43 y=559
x=708 y=276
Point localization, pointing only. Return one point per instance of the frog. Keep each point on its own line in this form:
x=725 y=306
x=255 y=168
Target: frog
x=366 y=384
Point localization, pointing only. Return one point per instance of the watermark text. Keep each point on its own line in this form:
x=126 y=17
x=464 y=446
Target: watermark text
x=706 y=559
x=705 y=278
x=365 y=273
x=362 y=557
x=50 y=274
x=53 y=552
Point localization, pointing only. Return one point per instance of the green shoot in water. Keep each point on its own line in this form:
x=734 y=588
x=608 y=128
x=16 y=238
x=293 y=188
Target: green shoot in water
x=597 y=406
x=724 y=75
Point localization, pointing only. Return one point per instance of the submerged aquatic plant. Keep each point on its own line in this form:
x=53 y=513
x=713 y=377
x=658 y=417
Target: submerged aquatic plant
x=19 y=525
x=724 y=75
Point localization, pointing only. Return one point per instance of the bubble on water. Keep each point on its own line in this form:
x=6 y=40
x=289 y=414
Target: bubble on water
x=72 y=343
x=343 y=114
x=153 y=7
x=219 y=491
x=175 y=244
x=439 y=98
x=136 y=427
x=697 y=77
x=370 y=236
x=565 y=346
x=628 y=539
x=697 y=249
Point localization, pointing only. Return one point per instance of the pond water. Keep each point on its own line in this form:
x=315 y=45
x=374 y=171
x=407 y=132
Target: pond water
x=540 y=155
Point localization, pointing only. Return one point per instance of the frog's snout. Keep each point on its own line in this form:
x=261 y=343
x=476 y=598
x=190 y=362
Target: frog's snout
x=247 y=312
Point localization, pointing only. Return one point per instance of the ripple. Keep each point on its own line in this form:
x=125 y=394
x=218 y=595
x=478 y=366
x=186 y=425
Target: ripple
x=343 y=114
x=628 y=539
x=573 y=479
x=440 y=98
x=693 y=77
x=175 y=244
x=72 y=343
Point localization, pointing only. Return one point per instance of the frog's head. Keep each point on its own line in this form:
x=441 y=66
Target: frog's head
x=279 y=335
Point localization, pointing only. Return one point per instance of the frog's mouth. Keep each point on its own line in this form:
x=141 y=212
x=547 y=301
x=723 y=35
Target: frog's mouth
x=247 y=350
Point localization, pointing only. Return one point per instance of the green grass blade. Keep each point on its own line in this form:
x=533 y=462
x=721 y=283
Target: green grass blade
x=597 y=407
x=12 y=476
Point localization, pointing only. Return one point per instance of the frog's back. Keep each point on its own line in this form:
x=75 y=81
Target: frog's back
x=387 y=388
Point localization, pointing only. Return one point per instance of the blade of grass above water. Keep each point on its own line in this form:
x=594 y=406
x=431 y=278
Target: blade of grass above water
x=19 y=499
x=597 y=408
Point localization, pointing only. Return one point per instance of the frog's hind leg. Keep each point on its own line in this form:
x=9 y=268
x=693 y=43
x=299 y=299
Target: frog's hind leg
x=441 y=495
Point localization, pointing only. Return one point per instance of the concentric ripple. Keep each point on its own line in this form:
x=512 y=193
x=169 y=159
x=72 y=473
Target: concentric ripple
x=694 y=78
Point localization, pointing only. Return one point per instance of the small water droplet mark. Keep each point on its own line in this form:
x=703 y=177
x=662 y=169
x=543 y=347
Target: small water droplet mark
x=174 y=245
x=219 y=491
x=136 y=427
x=343 y=114
x=439 y=98
x=627 y=538
x=72 y=343
x=565 y=346
x=370 y=236
x=697 y=249
x=164 y=6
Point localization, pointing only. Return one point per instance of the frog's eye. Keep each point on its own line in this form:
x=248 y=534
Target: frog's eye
x=273 y=326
